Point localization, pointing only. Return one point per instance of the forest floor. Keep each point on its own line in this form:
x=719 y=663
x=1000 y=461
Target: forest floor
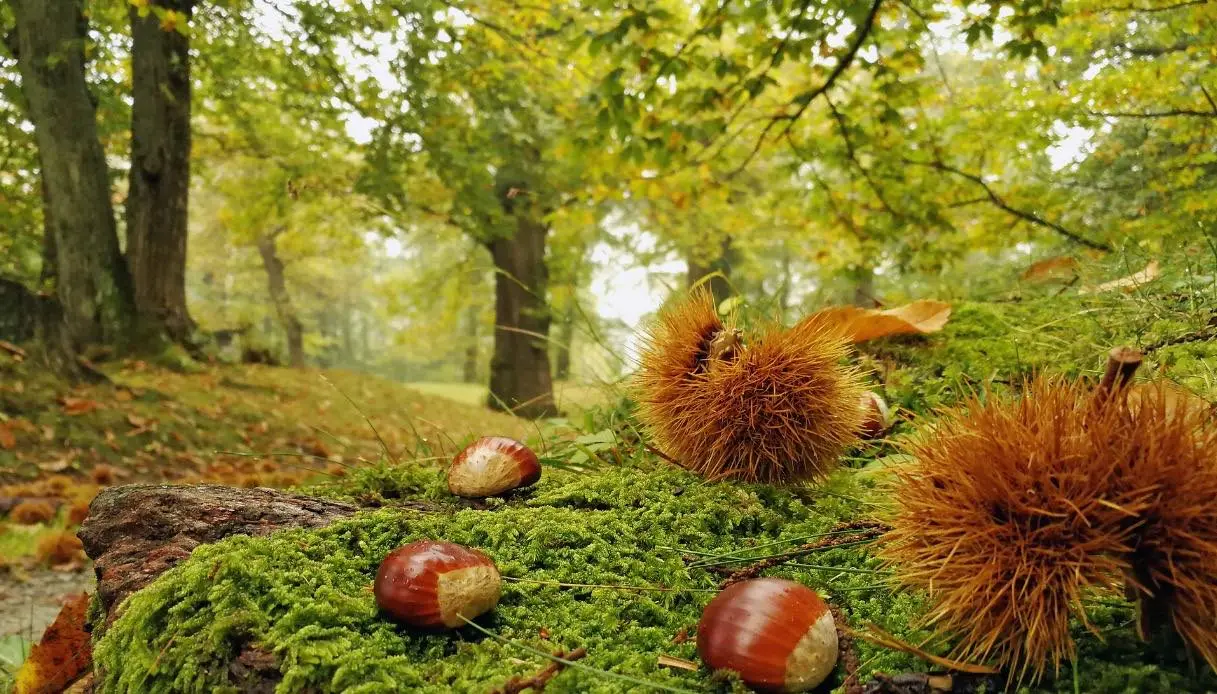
x=627 y=520
x=238 y=425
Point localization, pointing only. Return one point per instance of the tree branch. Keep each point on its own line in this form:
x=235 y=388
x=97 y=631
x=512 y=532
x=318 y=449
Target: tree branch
x=1170 y=113
x=1006 y=207
x=806 y=98
x=1161 y=8
x=853 y=157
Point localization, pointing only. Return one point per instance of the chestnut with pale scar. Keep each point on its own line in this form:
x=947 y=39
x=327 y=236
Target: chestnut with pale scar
x=491 y=466
x=436 y=584
x=777 y=634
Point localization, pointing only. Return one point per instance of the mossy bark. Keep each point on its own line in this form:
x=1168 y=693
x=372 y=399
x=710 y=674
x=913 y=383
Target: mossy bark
x=160 y=169
x=93 y=286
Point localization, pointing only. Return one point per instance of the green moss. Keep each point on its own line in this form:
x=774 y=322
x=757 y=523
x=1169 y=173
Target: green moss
x=304 y=594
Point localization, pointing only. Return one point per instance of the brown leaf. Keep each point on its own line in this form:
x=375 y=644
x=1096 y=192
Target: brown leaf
x=1149 y=274
x=63 y=654
x=1061 y=267
x=137 y=421
x=12 y=349
x=859 y=324
x=57 y=465
x=123 y=395
x=48 y=433
x=78 y=406
x=7 y=440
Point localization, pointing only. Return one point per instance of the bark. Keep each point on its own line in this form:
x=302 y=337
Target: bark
x=864 y=287
x=784 y=287
x=93 y=286
x=520 y=379
x=160 y=170
x=472 y=318
x=565 y=341
x=136 y=532
x=277 y=285
x=719 y=286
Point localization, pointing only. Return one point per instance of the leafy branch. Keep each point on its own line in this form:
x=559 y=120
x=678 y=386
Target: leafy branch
x=806 y=98
x=1001 y=204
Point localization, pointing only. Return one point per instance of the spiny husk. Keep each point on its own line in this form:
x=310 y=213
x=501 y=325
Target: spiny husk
x=1006 y=521
x=778 y=408
x=1169 y=458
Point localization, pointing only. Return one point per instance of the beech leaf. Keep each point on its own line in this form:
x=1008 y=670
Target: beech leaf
x=861 y=324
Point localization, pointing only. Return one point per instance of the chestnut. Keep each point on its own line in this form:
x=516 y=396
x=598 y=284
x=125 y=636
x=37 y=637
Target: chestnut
x=777 y=634
x=433 y=584
x=491 y=466
x=876 y=418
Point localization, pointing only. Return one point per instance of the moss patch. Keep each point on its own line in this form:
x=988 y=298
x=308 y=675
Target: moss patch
x=303 y=595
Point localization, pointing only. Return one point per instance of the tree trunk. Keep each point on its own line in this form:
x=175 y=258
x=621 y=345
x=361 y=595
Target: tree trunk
x=472 y=318
x=720 y=286
x=864 y=287
x=784 y=287
x=519 y=370
x=160 y=169
x=277 y=285
x=566 y=339
x=93 y=286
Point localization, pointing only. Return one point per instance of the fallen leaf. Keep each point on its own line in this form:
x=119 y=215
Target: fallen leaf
x=56 y=465
x=862 y=324
x=137 y=421
x=1149 y=274
x=12 y=349
x=1174 y=397
x=78 y=406
x=123 y=395
x=1062 y=267
x=48 y=433
x=63 y=654
x=7 y=440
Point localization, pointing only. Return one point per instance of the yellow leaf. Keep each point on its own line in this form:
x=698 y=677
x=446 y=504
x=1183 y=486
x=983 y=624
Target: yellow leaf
x=1149 y=274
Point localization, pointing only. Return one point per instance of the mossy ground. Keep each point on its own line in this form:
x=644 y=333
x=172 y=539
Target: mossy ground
x=304 y=595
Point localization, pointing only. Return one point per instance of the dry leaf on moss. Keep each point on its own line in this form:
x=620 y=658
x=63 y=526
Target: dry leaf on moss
x=1149 y=274
x=1061 y=267
x=63 y=654
x=861 y=324
x=7 y=440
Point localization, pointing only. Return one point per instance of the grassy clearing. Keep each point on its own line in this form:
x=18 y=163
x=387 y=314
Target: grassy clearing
x=568 y=395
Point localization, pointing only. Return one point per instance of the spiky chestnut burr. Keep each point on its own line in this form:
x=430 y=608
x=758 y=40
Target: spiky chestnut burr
x=1168 y=452
x=770 y=406
x=1005 y=519
x=777 y=634
x=434 y=584
x=491 y=466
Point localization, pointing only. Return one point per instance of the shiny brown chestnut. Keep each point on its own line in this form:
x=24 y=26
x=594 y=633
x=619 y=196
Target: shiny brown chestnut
x=433 y=584
x=777 y=634
x=491 y=466
x=876 y=417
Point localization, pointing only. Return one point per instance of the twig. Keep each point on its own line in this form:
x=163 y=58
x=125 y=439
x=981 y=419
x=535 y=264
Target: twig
x=1122 y=363
x=868 y=530
x=565 y=661
x=537 y=682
